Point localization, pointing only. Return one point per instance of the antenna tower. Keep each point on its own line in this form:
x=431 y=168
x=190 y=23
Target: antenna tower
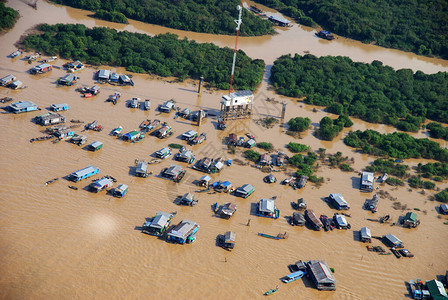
x=238 y=24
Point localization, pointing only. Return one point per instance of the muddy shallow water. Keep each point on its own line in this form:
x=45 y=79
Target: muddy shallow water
x=59 y=243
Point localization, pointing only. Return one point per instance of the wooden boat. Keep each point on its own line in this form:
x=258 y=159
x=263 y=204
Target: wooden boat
x=51 y=181
x=73 y=187
x=154 y=161
x=117 y=130
x=280 y=236
x=145 y=123
x=16 y=53
x=270 y=292
x=154 y=124
x=395 y=252
x=385 y=253
x=147 y=104
x=5 y=99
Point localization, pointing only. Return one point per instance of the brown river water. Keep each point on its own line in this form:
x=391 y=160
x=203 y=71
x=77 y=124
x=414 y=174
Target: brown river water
x=59 y=243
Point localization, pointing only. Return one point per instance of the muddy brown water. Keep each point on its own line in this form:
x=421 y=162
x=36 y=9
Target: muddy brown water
x=59 y=243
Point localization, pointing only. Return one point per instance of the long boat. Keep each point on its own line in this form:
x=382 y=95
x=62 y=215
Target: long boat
x=294 y=276
x=270 y=292
x=279 y=236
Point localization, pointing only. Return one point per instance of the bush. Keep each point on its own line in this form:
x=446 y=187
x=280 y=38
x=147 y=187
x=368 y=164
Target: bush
x=175 y=146
x=315 y=179
x=299 y=124
x=345 y=167
x=252 y=155
x=8 y=16
x=329 y=128
x=388 y=166
x=442 y=196
x=429 y=185
x=265 y=146
x=394 y=181
x=297 y=148
x=437 y=178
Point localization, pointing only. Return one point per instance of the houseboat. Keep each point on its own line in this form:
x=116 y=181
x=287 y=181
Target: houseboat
x=158 y=224
x=74 y=66
x=125 y=80
x=195 y=115
x=114 y=98
x=64 y=133
x=185 y=156
x=131 y=136
x=78 y=140
x=117 y=131
x=120 y=191
x=204 y=181
x=95 y=146
x=324 y=34
x=7 y=80
x=392 y=241
x=321 y=274
x=270 y=178
x=266 y=208
x=301 y=204
x=365 y=235
x=101 y=184
x=244 y=191
x=297 y=219
x=301 y=182
x=16 y=84
x=366 y=184
x=49 y=119
x=329 y=224
x=443 y=209
x=40 y=69
x=227 y=240
x=227 y=210
x=154 y=124
x=103 y=75
x=436 y=290
x=174 y=172
x=163 y=132
x=183 y=232
x=163 y=153
x=203 y=165
x=141 y=169
x=232 y=139
x=341 y=221
x=265 y=159
x=280 y=159
x=68 y=79
x=410 y=220
x=313 y=220
x=114 y=77
x=250 y=143
x=147 y=104
x=294 y=276
x=223 y=186
x=372 y=204
x=189 y=135
x=167 y=106
x=84 y=173
x=338 y=201
x=59 y=107
x=198 y=139
x=279 y=21
x=22 y=106
x=185 y=113
x=188 y=199
x=134 y=102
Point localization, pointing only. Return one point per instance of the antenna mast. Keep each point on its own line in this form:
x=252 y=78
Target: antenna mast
x=238 y=24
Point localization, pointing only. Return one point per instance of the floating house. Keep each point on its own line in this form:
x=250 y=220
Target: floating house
x=298 y=219
x=265 y=159
x=94 y=90
x=392 y=240
x=173 y=172
x=64 y=133
x=131 y=136
x=120 y=191
x=280 y=159
x=167 y=106
x=188 y=199
x=74 y=66
x=125 y=80
x=313 y=220
x=366 y=182
x=233 y=138
x=224 y=186
x=410 y=220
x=103 y=75
x=189 y=135
x=68 y=79
x=114 y=77
x=147 y=104
x=250 y=143
x=22 y=106
x=141 y=169
x=227 y=240
x=158 y=224
x=203 y=164
x=338 y=201
x=279 y=21
x=227 y=210
x=59 y=107
x=7 y=80
x=163 y=132
x=437 y=290
x=163 y=153
x=49 y=119
x=204 y=181
x=78 y=140
x=84 y=173
x=321 y=274
x=270 y=178
x=341 y=221
x=185 y=156
x=302 y=181
x=183 y=232
x=42 y=68
x=325 y=35
x=101 y=184
x=134 y=102
x=194 y=115
x=372 y=204
x=443 y=209
x=266 y=208
x=244 y=191
x=95 y=146
x=16 y=84
x=365 y=235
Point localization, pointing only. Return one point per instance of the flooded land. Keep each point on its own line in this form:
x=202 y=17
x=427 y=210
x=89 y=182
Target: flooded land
x=61 y=243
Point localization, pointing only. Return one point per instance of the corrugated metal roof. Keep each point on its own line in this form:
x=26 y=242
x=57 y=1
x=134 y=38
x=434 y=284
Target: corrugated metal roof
x=160 y=220
x=183 y=229
x=85 y=171
x=365 y=233
x=321 y=272
x=267 y=205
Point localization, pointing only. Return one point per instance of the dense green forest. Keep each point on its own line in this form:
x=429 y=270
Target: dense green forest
x=372 y=92
x=329 y=128
x=388 y=166
x=419 y=26
x=163 y=55
x=397 y=144
x=210 y=16
x=8 y=16
x=437 y=131
x=436 y=171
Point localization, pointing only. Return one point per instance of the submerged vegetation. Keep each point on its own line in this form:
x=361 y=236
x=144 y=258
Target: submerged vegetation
x=372 y=92
x=330 y=128
x=397 y=144
x=388 y=166
x=418 y=26
x=8 y=16
x=163 y=55
x=437 y=131
x=208 y=16
x=299 y=124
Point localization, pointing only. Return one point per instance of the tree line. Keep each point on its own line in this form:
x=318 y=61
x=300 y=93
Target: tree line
x=372 y=92
x=8 y=16
x=163 y=55
x=418 y=26
x=210 y=16
x=397 y=145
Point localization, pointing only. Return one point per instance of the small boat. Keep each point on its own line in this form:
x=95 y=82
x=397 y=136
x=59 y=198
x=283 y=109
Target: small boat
x=73 y=187
x=16 y=53
x=117 y=130
x=5 y=99
x=145 y=123
x=87 y=95
x=270 y=292
x=294 y=276
x=385 y=253
x=51 y=181
x=280 y=236
x=147 y=104
x=395 y=252
x=154 y=161
x=215 y=207
x=324 y=34
x=385 y=219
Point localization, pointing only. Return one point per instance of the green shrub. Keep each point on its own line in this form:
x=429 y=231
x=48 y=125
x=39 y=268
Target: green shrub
x=299 y=124
x=297 y=148
x=252 y=155
x=345 y=167
x=394 y=181
x=265 y=146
